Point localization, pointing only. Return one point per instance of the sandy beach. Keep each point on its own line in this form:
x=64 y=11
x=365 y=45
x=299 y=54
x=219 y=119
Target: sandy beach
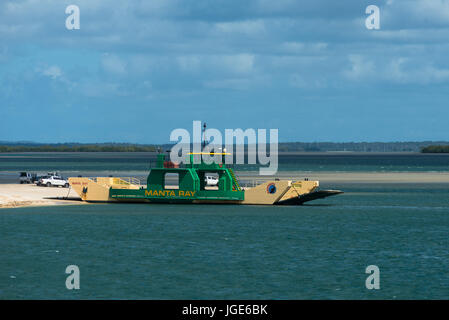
x=23 y=195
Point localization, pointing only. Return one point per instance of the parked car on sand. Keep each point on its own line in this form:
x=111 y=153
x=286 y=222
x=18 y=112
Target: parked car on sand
x=53 y=181
x=26 y=177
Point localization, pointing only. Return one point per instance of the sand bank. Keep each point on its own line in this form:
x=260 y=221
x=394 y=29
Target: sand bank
x=20 y=195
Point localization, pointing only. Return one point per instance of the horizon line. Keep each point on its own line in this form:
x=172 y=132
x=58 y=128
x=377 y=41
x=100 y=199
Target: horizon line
x=174 y=143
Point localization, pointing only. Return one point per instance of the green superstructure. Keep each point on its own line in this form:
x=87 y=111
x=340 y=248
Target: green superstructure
x=191 y=186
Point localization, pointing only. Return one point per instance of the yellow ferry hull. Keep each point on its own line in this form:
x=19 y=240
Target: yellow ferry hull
x=277 y=192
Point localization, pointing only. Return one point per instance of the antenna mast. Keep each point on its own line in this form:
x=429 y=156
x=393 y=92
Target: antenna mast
x=204 y=137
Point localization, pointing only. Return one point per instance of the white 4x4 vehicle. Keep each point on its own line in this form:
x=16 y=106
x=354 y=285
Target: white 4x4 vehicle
x=54 y=181
x=211 y=180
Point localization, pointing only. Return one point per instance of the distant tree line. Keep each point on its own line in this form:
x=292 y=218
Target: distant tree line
x=357 y=146
x=436 y=149
x=425 y=147
x=78 y=148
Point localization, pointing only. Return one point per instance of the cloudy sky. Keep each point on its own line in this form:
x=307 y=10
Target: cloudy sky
x=135 y=70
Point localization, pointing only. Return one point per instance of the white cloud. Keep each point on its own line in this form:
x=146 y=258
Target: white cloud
x=234 y=84
x=53 y=72
x=415 y=14
x=396 y=70
x=250 y=27
x=301 y=44
x=299 y=81
x=189 y=63
x=425 y=10
x=406 y=71
x=113 y=64
x=240 y=63
x=295 y=47
x=102 y=89
x=140 y=64
x=361 y=67
x=228 y=63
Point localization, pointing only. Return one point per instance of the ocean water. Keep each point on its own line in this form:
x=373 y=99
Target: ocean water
x=316 y=251
x=150 y=251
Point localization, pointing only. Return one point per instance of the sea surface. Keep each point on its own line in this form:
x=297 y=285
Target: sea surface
x=154 y=251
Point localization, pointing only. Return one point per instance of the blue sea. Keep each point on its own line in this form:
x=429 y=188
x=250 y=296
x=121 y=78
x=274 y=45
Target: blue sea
x=152 y=251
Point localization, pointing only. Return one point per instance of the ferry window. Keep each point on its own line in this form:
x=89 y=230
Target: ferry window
x=171 y=181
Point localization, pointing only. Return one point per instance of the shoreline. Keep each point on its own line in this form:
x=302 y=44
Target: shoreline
x=20 y=204
x=30 y=195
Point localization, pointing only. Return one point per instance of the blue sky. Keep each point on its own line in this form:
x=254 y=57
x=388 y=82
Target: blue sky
x=136 y=70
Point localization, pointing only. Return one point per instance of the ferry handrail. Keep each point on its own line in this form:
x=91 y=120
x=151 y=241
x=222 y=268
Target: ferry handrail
x=119 y=180
x=128 y=180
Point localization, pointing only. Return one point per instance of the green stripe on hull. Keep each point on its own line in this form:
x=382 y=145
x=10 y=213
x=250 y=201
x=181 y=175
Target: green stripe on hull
x=173 y=196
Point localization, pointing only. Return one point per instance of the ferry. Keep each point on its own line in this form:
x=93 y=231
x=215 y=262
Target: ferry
x=189 y=183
